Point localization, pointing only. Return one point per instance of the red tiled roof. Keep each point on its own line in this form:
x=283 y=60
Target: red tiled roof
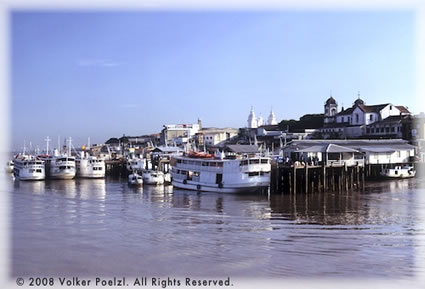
x=402 y=109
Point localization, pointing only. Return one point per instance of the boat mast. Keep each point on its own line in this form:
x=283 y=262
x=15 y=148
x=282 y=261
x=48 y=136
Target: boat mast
x=69 y=146
x=59 y=143
x=47 y=144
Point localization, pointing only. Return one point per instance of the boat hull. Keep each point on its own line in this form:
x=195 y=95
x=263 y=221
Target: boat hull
x=31 y=178
x=62 y=175
x=245 y=188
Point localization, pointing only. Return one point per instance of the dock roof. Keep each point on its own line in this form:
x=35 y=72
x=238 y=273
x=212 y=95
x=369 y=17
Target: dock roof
x=329 y=148
x=242 y=148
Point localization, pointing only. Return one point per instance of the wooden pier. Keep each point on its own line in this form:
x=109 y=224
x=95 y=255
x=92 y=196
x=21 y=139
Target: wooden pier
x=116 y=167
x=312 y=178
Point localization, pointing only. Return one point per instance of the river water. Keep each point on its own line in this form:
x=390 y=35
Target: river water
x=106 y=228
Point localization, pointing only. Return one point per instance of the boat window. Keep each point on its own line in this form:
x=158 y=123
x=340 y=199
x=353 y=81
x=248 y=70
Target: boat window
x=204 y=164
x=254 y=161
x=62 y=167
x=179 y=161
x=252 y=174
x=213 y=164
x=100 y=168
x=196 y=174
x=396 y=172
x=264 y=161
x=244 y=162
x=38 y=170
x=220 y=164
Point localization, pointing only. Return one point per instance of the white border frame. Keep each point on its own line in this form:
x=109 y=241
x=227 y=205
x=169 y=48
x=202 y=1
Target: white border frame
x=416 y=6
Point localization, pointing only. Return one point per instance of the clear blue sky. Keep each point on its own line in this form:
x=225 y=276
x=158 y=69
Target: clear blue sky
x=108 y=73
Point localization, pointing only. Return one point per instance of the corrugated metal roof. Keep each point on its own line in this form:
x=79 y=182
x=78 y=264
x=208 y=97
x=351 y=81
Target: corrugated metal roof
x=242 y=148
x=167 y=149
x=333 y=148
x=313 y=149
x=378 y=149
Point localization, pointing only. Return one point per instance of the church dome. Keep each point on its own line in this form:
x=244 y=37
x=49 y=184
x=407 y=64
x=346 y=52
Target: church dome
x=330 y=100
x=359 y=101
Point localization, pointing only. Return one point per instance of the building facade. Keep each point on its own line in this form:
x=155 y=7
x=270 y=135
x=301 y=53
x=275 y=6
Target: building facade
x=361 y=120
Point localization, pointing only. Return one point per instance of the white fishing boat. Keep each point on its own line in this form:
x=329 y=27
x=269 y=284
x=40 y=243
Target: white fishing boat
x=151 y=177
x=9 y=167
x=135 y=179
x=89 y=166
x=28 y=167
x=135 y=164
x=399 y=172
x=60 y=166
x=227 y=174
x=167 y=179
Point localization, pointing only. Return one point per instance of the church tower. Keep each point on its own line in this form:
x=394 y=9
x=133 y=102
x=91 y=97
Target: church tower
x=272 y=118
x=331 y=109
x=252 y=120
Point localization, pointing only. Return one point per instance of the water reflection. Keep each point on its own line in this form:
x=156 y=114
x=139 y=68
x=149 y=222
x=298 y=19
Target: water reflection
x=152 y=229
x=92 y=189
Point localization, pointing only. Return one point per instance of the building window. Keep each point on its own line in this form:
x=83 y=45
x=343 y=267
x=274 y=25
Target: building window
x=392 y=129
x=382 y=129
x=371 y=117
x=387 y=129
x=368 y=130
x=372 y=130
x=391 y=107
x=357 y=117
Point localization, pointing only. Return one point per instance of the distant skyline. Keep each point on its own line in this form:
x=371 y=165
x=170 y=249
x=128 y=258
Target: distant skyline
x=105 y=74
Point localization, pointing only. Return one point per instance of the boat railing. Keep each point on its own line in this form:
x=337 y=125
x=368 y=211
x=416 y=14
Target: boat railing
x=345 y=162
x=198 y=167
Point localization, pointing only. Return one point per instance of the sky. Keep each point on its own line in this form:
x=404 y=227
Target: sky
x=105 y=74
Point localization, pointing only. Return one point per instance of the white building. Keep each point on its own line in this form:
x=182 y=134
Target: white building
x=272 y=118
x=254 y=122
x=354 y=121
x=212 y=136
x=179 y=133
x=391 y=151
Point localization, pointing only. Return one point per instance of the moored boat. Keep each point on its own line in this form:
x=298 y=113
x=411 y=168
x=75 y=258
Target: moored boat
x=9 y=167
x=151 y=177
x=60 y=167
x=135 y=179
x=202 y=172
x=28 y=167
x=89 y=166
x=399 y=172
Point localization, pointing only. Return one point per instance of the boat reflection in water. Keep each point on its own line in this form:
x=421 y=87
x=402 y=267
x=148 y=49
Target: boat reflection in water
x=176 y=232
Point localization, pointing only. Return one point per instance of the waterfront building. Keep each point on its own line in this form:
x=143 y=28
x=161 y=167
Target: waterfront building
x=418 y=134
x=362 y=120
x=383 y=151
x=213 y=136
x=179 y=133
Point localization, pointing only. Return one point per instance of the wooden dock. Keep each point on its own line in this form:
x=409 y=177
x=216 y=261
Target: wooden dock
x=310 y=178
